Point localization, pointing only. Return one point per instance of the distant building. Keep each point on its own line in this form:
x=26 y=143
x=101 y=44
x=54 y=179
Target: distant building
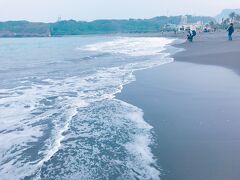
x=184 y=20
x=59 y=19
x=170 y=27
x=184 y=25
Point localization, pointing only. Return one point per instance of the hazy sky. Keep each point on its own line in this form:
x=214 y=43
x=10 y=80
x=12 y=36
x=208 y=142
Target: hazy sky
x=50 y=10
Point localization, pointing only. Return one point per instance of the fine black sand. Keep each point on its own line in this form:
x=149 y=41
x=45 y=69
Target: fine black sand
x=193 y=105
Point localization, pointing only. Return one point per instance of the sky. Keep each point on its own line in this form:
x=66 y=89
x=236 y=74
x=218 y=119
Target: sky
x=50 y=10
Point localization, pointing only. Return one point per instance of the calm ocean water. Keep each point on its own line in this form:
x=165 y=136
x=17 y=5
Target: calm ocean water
x=59 y=118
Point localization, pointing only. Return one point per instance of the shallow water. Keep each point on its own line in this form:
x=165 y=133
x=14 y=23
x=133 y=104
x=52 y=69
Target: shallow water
x=58 y=112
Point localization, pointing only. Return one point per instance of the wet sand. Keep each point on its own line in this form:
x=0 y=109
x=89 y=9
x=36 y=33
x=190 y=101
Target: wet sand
x=193 y=105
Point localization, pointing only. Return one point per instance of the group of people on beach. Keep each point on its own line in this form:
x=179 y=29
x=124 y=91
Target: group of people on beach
x=192 y=33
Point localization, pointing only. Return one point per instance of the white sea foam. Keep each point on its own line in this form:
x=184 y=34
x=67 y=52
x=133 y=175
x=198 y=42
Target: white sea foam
x=28 y=113
x=19 y=129
x=133 y=46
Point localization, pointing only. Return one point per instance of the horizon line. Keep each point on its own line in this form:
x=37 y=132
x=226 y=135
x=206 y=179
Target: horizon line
x=102 y=19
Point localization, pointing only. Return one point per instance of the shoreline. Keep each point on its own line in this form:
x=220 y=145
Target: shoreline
x=192 y=106
x=148 y=34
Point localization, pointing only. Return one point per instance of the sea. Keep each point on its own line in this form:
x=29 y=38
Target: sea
x=59 y=117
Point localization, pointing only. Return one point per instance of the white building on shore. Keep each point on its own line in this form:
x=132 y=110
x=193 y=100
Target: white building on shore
x=184 y=25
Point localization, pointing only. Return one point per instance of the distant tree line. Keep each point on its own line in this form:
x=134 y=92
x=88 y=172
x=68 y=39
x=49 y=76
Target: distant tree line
x=232 y=18
x=24 y=28
x=72 y=27
x=119 y=26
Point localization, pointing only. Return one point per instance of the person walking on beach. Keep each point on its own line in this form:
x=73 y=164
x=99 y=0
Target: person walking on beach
x=230 y=30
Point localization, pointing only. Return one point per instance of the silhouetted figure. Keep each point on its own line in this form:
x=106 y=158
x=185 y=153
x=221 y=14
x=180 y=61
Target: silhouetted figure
x=230 y=30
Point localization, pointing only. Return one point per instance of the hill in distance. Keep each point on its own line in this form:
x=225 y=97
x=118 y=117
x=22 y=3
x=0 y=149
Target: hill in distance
x=225 y=14
x=72 y=27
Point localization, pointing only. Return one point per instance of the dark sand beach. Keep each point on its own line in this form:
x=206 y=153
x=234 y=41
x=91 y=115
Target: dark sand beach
x=193 y=105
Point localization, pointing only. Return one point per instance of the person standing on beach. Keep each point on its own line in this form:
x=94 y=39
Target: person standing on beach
x=230 y=30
